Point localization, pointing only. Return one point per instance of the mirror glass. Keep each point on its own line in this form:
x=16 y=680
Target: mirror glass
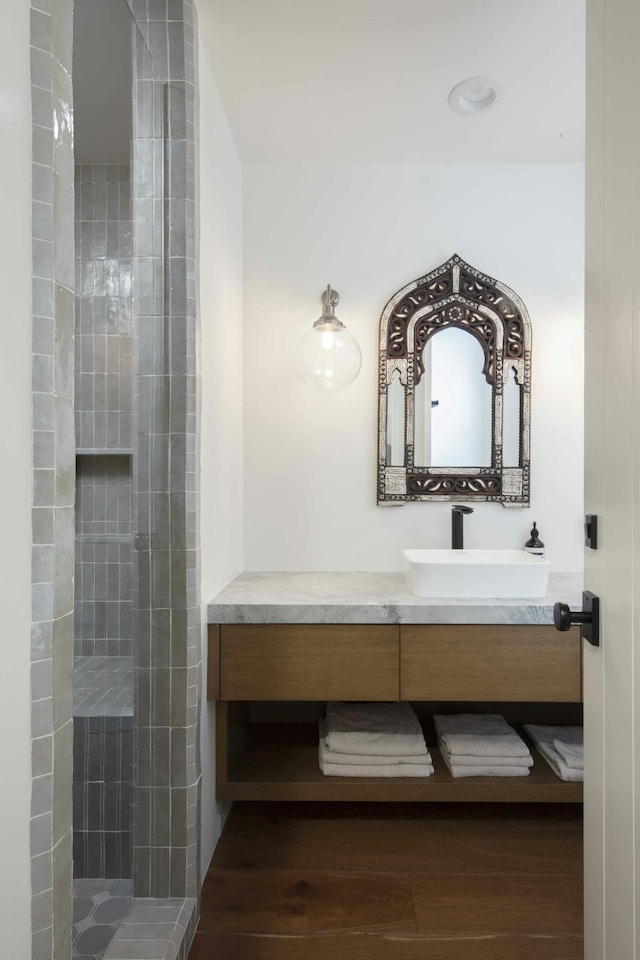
x=511 y=421
x=453 y=403
x=395 y=423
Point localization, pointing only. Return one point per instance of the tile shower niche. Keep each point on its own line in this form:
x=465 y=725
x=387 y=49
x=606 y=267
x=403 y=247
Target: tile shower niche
x=103 y=645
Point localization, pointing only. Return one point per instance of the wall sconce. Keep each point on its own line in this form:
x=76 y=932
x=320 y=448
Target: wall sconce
x=328 y=358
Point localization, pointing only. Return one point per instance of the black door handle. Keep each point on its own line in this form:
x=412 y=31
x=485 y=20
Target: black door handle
x=588 y=617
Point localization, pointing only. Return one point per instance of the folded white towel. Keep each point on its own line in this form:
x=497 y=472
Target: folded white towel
x=558 y=765
x=572 y=756
x=465 y=760
x=543 y=737
x=348 y=769
x=483 y=769
x=569 y=742
x=329 y=756
x=480 y=735
x=374 y=729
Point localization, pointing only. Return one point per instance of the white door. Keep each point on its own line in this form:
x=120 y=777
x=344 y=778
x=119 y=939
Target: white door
x=612 y=480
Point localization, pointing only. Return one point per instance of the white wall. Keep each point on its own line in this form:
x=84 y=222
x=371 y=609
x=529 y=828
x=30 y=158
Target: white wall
x=221 y=366
x=310 y=461
x=15 y=478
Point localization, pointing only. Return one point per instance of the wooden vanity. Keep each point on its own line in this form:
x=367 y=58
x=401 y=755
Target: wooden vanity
x=527 y=671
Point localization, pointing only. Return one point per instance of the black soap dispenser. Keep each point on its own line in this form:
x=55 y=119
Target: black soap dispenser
x=535 y=544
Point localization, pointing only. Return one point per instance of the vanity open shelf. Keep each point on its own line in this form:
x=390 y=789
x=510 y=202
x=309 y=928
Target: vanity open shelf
x=529 y=673
x=279 y=761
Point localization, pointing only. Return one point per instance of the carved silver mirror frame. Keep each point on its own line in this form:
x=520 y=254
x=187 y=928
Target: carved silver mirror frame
x=455 y=295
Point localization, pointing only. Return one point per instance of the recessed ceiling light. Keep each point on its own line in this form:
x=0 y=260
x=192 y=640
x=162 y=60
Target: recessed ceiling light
x=475 y=95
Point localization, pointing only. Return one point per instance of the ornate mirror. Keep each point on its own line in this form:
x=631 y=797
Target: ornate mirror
x=455 y=390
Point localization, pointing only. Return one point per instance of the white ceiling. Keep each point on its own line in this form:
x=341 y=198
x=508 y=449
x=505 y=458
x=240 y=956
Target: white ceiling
x=367 y=81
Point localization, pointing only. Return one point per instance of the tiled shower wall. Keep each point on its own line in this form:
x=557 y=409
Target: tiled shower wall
x=53 y=477
x=168 y=663
x=102 y=793
x=104 y=343
x=103 y=413
x=102 y=742
x=104 y=557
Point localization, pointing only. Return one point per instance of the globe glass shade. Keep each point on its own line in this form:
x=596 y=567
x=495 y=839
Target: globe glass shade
x=328 y=358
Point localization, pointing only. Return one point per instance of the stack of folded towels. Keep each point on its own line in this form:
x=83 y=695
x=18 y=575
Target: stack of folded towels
x=373 y=740
x=562 y=747
x=482 y=745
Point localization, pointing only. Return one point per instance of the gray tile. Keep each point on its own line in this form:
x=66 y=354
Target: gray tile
x=43 y=448
x=41 y=720
x=41 y=910
x=137 y=950
x=42 y=183
x=113 y=911
x=99 y=211
x=178 y=817
x=42 y=256
x=62 y=881
x=42 y=602
x=42 y=221
x=99 y=239
x=63 y=145
x=42 y=944
x=62 y=800
x=121 y=888
x=176 y=51
x=157 y=9
x=146 y=931
x=158 y=45
x=42 y=145
x=64 y=333
x=42 y=563
x=41 y=872
x=41 y=673
x=94 y=940
x=41 y=641
x=41 y=834
x=82 y=907
x=42 y=107
x=62 y=689
x=40 y=30
x=154 y=911
x=113 y=201
x=62 y=37
x=63 y=231
x=43 y=492
x=41 y=68
x=43 y=298
x=178 y=869
x=65 y=434
x=42 y=372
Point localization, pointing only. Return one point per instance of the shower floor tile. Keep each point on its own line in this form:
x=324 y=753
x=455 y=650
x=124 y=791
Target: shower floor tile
x=103 y=686
x=99 y=906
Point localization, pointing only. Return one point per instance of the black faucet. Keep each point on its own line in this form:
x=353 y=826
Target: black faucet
x=457 y=514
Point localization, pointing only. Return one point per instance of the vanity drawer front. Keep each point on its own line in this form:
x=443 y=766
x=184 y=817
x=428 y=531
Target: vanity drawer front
x=309 y=662
x=477 y=662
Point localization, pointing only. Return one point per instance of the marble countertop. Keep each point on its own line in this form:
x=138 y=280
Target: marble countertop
x=372 y=598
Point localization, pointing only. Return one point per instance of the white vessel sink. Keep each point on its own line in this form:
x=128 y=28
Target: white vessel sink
x=478 y=574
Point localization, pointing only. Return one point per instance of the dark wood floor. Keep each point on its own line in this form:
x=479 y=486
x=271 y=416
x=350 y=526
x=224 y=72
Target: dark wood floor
x=394 y=882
